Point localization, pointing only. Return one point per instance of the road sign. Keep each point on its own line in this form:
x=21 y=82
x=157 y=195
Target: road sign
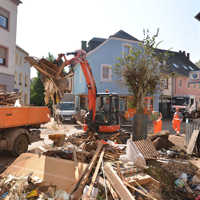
x=194 y=77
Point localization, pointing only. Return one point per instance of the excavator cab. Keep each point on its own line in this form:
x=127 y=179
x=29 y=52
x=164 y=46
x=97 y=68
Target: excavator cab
x=107 y=113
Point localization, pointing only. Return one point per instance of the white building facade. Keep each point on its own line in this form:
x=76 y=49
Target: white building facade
x=8 y=26
x=22 y=75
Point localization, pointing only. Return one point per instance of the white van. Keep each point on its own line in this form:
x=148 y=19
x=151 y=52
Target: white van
x=66 y=111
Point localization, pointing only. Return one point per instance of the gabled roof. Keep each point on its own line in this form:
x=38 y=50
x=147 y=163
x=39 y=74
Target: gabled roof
x=122 y=34
x=18 y=47
x=179 y=63
x=96 y=41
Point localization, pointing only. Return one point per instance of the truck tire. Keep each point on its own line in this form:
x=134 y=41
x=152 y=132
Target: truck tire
x=20 y=145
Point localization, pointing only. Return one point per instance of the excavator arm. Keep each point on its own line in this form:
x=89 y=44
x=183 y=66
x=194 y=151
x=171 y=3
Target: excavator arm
x=80 y=57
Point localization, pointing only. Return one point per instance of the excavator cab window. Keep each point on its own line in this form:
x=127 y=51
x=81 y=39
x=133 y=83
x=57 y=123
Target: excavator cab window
x=107 y=109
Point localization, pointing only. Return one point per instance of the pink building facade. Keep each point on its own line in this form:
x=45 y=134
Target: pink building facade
x=181 y=87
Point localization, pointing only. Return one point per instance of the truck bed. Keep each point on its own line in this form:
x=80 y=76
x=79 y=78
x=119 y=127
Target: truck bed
x=23 y=116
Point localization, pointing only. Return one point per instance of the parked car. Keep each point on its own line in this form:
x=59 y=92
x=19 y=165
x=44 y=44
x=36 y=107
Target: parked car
x=66 y=111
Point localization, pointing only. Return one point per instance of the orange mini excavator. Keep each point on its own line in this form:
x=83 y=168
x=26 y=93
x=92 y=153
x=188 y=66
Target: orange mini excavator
x=97 y=119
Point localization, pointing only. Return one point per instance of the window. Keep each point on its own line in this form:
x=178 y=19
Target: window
x=106 y=72
x=3 y=56
x=126 y=48
x=175 y=65
x=188 y=84
x=15 y=78
x=4 y=17
x=20 y=78
x=180 y=83
x=164 y=83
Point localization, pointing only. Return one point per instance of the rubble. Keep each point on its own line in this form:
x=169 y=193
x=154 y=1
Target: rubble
x=94 y=167
x=8 y=98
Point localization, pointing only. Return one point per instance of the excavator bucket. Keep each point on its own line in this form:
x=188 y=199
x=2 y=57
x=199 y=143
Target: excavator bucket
x=52 y=85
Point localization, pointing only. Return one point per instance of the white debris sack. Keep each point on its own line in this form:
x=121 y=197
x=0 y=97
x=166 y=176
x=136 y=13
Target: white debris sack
x=134 y=155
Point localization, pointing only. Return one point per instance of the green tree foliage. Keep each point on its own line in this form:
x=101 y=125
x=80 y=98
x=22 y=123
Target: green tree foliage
x=37 y=92
x=141 y=68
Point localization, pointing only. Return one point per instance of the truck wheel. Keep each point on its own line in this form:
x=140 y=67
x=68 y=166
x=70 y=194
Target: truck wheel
x=20 y=145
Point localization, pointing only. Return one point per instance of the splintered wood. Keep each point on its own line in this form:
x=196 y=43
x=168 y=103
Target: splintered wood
x=52 y=85
x=8 y=98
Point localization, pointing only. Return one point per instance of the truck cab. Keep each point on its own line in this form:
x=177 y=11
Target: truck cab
x=187 y=105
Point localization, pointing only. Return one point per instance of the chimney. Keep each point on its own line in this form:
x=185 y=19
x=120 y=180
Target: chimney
x=188 y=55
x=84 y=45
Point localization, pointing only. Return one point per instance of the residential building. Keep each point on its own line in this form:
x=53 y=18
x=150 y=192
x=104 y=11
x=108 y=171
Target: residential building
x=178 y=84
x=22 y=75
x=102 y=56
x=8 y=25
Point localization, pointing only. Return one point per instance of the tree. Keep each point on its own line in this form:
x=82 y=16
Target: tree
x=37 y=91
x=198 y=64
x=141 y=68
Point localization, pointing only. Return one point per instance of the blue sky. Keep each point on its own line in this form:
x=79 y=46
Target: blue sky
x=45 y=26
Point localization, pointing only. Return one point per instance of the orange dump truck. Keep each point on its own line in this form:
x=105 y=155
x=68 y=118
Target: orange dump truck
x=17 y=124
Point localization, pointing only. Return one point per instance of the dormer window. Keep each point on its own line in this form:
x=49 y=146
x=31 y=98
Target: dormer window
x=175 y=65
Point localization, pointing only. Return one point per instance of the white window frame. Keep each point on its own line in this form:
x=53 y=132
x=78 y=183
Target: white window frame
x=124 y=45
x=109 y=75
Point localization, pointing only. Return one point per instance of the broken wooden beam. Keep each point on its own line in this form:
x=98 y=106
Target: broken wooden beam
x=117 y=183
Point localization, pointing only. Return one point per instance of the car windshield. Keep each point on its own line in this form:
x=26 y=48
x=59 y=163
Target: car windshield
x=180 y=101
x=66 y=106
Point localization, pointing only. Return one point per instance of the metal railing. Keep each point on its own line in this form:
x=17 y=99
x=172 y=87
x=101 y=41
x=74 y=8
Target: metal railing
x=190 y=127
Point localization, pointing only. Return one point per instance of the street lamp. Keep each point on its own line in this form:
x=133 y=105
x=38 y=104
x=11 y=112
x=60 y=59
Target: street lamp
x=198 y=16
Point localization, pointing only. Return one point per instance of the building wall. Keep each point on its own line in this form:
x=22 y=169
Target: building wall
x=8 y=40
x=6 y=81
x=22 y=76
x=183 y=88
x=106 y=54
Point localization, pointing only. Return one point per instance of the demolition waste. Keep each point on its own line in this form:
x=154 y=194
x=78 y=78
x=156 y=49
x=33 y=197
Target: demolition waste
x=79 y=166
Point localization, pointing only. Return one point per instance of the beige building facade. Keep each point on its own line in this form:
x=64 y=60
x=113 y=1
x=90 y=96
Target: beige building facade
x=22 y=75
x=8 y=26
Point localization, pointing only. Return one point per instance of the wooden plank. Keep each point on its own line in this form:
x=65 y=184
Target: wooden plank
x=96 y=173
x=196 y=163
x=141 y=179
x=117 y=183
x=112 y=191
x=192 y=142
x=148 y=195
x=77 y=190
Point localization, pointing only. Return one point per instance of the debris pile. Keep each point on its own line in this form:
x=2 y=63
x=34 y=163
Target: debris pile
x=101 y=167
x=8 y=98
